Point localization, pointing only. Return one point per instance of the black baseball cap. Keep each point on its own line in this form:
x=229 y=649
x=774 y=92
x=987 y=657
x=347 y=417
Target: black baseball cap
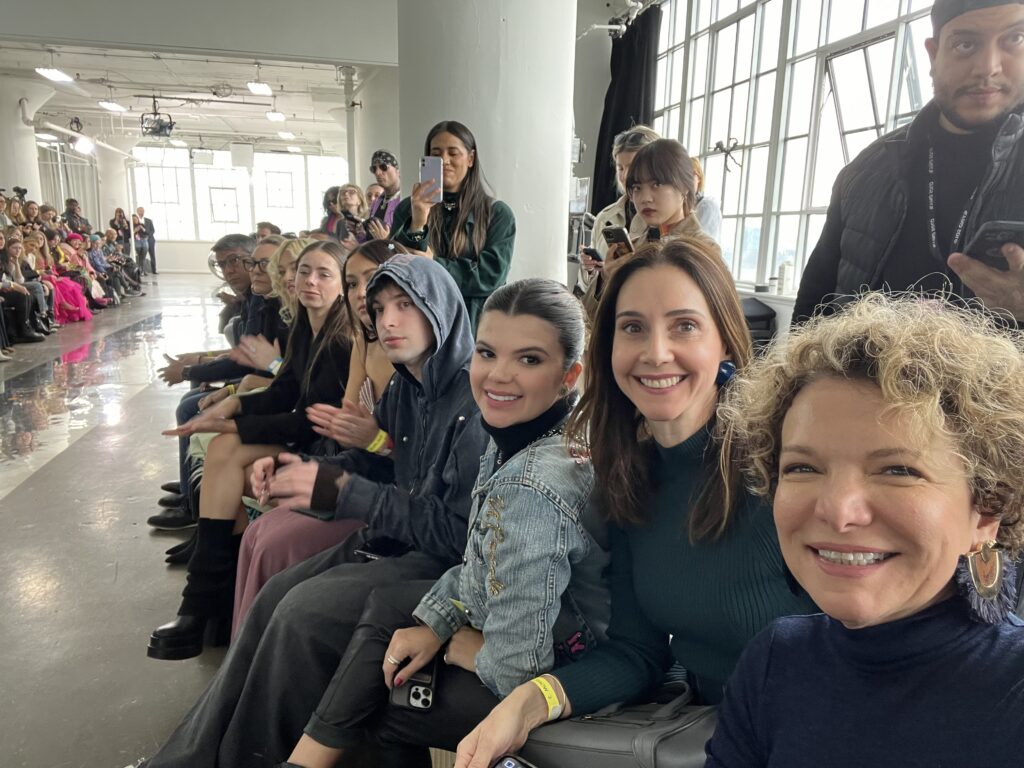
x=944 y=11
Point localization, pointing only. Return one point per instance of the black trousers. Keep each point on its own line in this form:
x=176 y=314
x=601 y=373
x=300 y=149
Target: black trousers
x=254 y=710
x=21 y=303
x=355 y=708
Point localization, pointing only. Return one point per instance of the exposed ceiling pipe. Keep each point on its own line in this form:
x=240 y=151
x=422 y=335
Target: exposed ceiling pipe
x=23 y=103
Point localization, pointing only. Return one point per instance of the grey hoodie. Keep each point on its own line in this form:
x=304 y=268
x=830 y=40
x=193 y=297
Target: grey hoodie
x=421 y=495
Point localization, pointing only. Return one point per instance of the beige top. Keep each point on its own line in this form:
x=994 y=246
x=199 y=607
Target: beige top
x=613 y=215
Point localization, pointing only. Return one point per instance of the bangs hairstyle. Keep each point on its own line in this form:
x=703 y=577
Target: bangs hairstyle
x=954 y=371
x=377 y=251
x=549 y=301
x=608 y=421
x=664 y=161
x=336 y=327
x=288 y=249
x=474 y=200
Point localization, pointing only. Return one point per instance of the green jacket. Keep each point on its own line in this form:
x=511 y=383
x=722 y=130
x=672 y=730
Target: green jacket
x=477 y=275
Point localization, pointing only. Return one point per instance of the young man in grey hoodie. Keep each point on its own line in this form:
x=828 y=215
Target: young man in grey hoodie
x=255 y=708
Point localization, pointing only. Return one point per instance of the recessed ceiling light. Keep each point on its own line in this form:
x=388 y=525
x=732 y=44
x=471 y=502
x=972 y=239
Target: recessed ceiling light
x=258 y=88
x=286 y=135
x=51 y=73
x=112 y=106
x=178 y=143
x=43 y=144
x=47 y=137
x=294 y=148
x=276 y=117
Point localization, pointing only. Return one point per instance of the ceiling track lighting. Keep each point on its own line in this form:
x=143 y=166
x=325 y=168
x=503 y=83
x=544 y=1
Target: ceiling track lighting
x=273 y=115
x=52 y=73
x=257 y=87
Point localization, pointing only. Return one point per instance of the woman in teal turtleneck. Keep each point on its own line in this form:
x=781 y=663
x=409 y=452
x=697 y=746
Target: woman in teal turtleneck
x=469 y=233
x=696 y=570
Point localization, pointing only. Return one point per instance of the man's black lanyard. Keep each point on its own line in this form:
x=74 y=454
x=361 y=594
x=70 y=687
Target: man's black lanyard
x=933 y=229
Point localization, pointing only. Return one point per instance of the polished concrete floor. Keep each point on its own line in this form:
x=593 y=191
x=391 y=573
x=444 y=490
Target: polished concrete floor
x=82 y=580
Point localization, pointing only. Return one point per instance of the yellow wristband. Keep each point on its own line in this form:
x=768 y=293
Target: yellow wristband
x=378 y=441
x=231 y=389
x=554 y=707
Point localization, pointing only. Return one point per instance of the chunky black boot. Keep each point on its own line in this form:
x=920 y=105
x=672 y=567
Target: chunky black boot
x=180 y=554
x=207 y=600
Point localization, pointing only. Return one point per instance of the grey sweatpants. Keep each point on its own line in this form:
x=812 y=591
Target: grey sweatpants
x=277 y=669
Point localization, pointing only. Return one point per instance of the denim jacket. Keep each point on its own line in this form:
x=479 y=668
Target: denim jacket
x=532 y=578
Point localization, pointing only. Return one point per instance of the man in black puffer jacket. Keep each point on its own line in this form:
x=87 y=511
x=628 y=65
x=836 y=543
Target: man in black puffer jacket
x=904 y=210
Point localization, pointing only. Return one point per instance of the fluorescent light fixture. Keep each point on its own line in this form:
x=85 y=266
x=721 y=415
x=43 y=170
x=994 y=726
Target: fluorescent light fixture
x=52 y=73
x=112 y=106
x=178 y=143
x=259 y=88
x=47 y=137
x=276 y=117
x=292 y=148
x=286 y=135
x=43 y=144
x=84 y=145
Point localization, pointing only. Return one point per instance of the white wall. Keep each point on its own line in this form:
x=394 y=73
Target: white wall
x=186 y=256
x=315 y=30
x=377 y=127
x=592 y=76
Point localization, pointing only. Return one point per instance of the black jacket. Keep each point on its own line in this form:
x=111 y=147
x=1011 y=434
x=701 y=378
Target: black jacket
x=421 y=494
x=278 y=414
x=869 y=207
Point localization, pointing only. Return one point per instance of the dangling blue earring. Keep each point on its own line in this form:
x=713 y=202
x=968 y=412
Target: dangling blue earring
x=988 y=580
x=726 y=370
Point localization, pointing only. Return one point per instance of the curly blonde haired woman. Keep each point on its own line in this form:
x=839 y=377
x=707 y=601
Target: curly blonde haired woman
x=890 y=438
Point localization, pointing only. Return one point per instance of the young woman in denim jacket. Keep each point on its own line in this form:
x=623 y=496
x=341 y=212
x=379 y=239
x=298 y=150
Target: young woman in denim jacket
x=529 y=594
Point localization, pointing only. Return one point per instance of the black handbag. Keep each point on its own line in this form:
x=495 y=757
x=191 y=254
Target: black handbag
x=620 y=736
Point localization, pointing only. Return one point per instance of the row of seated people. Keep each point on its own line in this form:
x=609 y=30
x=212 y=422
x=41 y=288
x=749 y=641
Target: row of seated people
x=47 y=281
x=534 y=541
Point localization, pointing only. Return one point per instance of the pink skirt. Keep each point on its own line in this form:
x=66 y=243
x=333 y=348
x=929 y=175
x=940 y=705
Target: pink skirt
x=275 y=541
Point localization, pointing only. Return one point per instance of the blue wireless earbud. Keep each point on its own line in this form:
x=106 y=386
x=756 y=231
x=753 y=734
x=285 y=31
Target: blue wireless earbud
x=726 y=370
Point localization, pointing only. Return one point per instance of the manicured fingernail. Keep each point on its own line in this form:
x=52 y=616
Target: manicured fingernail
x=398 y=681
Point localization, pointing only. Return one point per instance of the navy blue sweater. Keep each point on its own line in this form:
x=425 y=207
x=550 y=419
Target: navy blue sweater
x=935 y=690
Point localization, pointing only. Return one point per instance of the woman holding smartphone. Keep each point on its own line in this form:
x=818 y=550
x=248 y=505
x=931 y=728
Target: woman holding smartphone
x=469 y=232
x=696 y=569
x=529 y=594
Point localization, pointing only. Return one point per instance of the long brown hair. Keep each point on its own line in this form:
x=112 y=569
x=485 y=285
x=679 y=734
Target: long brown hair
x=609 y=422
x=474 y=200
x=377 y=251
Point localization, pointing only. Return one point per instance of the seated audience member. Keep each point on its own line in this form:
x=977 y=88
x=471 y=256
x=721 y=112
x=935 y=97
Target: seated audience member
x=5 y=218
x=205 y=367
x=15 y=295
x=15 y=212
x=69 y=302
x=31 y=222
x=265 y=229
x=691 y=583
x=275 y=541
x=904 y=210
x=708 y=210
x=373 y=191
x=384 y=167
x=662 y=187
x=530 y=592
x=73 y=218
x=48 y=217
x=16 y=272
x=621 y=212
x=889 y=438
x=251 y=427
x=76 y=261
x=469 y=233
x=423 y=504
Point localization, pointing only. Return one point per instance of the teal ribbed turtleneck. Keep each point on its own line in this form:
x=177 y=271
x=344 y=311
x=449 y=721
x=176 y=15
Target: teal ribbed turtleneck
x=710 y=598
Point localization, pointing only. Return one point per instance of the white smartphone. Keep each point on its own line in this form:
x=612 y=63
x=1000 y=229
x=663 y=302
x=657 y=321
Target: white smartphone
x=430 y=168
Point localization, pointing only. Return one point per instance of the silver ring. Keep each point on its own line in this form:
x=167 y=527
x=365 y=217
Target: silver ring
x=392 y=660
x=445 y=657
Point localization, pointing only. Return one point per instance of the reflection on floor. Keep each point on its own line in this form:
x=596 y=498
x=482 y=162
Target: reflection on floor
x=83 y=581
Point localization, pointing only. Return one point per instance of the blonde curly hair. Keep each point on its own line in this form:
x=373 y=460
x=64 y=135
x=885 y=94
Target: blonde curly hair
x=954 y=370
x=288 y=248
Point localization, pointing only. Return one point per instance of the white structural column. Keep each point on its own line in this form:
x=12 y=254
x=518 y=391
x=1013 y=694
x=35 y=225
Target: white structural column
x=112 y=176
x=505 y=69
x=19 y=156
x=377 y=128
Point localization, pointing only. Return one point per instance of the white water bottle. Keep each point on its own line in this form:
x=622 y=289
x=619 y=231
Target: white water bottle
x=785 y=277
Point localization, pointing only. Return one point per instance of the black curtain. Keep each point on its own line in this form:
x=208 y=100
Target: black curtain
x=630 y=97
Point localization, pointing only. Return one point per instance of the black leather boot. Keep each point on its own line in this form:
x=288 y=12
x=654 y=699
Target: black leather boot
x=180 y=554
x=208 y=598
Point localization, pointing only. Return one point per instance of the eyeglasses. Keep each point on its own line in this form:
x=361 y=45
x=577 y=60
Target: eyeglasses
x=382 y=168
x=218 y=266
x=251 y=264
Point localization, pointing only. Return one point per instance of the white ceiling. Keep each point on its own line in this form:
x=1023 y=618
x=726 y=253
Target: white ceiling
x=206 y=96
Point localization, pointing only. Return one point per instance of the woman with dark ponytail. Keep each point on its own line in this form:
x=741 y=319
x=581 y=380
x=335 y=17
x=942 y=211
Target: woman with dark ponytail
x=469 y=233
